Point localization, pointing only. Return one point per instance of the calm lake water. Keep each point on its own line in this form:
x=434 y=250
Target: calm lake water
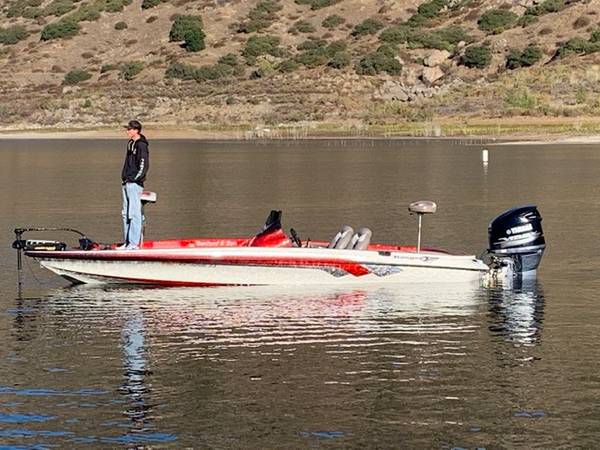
x=388 y=368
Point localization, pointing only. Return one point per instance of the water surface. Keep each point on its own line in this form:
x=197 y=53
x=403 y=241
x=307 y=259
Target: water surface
x=439 y=366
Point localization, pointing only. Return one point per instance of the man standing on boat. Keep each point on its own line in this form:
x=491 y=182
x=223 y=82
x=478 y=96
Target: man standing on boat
x=133 y=176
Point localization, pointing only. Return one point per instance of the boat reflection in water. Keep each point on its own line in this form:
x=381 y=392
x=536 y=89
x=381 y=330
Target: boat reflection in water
x=517 y=314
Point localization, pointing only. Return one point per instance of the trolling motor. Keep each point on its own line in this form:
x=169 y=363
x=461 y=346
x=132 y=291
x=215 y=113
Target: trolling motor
x=21 y=244
x=516 y=243
x=421 y=208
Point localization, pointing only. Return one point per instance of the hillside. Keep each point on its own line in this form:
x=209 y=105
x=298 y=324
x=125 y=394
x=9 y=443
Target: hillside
x=411 y=67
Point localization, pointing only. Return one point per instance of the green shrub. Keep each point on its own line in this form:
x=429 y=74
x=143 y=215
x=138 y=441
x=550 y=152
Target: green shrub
x=58 y=8
x=387 y=50
x=376 y=62
x=229 y=59
x=12 y=35
x=340 y=60
x=62 y=29
x=495 y=21
x=546 y=7
x=130 y=70
x=86 y=13
x=108 y=67
x=521 y=98
x=579 y=45
x=313 y=58
x=317 y=4
x=261 y=16
x=441 y=39
x=531 y=55
x=333 y=21
x=194 y=40
x=367 y=26
x=32 y=13
x=312 y=44
x=216 y=72
x=261 y=45
x=181 y=71
x=317 y=52
x=289 y=65
x=147 y=4
x=203 y=73
x=302 y=26
x=526 y=20
x=477 y=57
x=182 y=25
x=513 y=59
x=430 y=9
x=120 y=26
x=76 y=76
x=114 y=5
x=398 y=34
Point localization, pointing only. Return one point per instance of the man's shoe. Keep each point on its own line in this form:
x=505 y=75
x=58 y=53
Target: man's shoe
x=121 y=247
x=132 y=247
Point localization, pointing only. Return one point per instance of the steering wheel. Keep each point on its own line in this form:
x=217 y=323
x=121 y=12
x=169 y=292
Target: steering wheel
x=295 y=239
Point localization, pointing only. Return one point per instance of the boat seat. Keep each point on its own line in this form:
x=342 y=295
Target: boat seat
x=361 y=240
x=342 y=238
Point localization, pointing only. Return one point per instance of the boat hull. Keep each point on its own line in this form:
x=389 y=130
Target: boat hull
x=260 y=266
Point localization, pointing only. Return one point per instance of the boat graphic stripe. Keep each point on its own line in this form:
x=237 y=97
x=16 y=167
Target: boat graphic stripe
x=351 y=267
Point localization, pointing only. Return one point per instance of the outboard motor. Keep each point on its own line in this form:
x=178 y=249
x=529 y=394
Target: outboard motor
x=517 y=235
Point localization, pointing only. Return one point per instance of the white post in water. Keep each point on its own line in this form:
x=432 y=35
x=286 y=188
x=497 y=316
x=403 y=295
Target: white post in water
x=485 y=156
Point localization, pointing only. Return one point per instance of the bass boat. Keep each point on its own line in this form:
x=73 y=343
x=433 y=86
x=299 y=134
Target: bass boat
x=516 y=246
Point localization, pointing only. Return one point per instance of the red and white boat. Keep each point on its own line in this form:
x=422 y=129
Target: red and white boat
x=273 y=258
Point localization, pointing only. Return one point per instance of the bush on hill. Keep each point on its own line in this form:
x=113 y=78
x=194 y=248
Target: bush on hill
x=441 y=38
x=528 y=57
x=194 y=40
x=495 y=21
x=477 y=57
x=317 y=4
x=183 y=24
x=261 y=45
x=76 y=76
x=382 y=60
x=261 y=16
x=61 y=29
x=147 y=4
x=128 y=71
x=333 y=21
x=302 y=26
x=199 y=74
x=340 y=60
x=580 y=46
x=289 y=65
x=58 y=8
x=367 y=26
x=12 y=35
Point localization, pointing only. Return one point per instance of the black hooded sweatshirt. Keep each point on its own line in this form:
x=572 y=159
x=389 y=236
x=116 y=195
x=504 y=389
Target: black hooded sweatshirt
x=137 y=161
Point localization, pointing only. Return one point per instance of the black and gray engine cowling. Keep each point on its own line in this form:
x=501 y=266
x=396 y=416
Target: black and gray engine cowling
x=517 y=234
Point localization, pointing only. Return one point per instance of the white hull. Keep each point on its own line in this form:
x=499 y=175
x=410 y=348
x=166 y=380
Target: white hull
x=261 y=266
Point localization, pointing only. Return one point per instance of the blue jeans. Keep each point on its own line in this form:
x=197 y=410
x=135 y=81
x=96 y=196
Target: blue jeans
x=132 y=214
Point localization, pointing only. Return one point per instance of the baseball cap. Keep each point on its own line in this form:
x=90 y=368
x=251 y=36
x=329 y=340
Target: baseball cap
x=133 y=125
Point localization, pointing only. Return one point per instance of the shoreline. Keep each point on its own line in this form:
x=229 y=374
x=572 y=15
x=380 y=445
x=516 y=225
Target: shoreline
x=508 y=134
